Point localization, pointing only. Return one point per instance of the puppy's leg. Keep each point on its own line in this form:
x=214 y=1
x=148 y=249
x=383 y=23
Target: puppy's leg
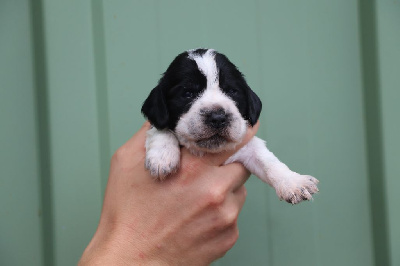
x=162 y=153
x=289 y=185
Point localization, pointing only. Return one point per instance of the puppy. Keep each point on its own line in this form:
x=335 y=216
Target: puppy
x=204 y=103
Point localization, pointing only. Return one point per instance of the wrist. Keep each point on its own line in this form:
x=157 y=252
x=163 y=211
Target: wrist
x=118 y=247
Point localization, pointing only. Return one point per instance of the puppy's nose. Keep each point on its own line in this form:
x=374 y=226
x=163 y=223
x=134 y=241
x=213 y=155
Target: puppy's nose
x=216 y=119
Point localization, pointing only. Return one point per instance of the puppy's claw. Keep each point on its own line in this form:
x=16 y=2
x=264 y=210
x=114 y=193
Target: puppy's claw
x=297 y=188
x=161 y=170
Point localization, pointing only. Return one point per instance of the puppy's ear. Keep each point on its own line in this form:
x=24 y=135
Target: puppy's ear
x=254 y=107
x=155 y=108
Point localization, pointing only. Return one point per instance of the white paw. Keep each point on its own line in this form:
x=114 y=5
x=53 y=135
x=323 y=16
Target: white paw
x=162 y=153
x=162 y=162
x=296 y=188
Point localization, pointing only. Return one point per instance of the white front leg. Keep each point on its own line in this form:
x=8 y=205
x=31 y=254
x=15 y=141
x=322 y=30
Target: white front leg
x=289 y=185
x=162 y=152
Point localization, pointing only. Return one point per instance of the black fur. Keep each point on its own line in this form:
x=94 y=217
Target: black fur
x=233 y=83
x=183 y=82
x=169 y=100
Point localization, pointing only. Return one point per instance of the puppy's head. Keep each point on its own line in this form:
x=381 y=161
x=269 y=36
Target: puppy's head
x=205 y=100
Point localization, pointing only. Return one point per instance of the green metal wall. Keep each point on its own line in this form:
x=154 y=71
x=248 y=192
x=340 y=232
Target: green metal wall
x=73 y=75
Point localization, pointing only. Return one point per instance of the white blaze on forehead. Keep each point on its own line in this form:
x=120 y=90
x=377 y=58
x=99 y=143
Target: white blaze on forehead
x=207 y=66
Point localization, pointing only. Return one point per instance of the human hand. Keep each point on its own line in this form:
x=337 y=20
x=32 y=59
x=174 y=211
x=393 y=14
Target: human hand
x=188 y=219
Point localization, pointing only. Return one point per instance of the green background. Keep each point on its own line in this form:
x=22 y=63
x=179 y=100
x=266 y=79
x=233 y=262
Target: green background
x=73 y=75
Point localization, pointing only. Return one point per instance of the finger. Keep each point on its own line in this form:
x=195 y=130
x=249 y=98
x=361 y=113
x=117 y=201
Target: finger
x=132 y=152
x=241 y=192
x=226 y=214
x=136 y=143
x=217 y=245
x=218 y=159
x=225 y=225
x=235 y=175
x=139 y=136
x=238 y=198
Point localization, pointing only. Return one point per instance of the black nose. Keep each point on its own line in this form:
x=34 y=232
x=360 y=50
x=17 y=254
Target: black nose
x=216 y=119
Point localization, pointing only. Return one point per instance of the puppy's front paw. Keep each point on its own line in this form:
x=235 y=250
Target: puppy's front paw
x=162 y=162
x=297 y=188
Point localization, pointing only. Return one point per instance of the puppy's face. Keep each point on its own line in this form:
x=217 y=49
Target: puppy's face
x=205 y=100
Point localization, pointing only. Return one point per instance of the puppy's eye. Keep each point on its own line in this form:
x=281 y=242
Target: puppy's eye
x=232 y=91
x=188 y=94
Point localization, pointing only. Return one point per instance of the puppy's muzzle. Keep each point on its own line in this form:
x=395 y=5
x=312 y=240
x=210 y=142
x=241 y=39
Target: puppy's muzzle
x=216 y=119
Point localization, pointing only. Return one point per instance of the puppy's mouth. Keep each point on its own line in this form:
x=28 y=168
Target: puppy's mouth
x=212 y=143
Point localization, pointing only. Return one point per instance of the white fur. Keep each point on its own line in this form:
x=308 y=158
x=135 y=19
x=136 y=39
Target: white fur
x=289 y=185
x=191 y=128
x=162 y=152
x=207 y=66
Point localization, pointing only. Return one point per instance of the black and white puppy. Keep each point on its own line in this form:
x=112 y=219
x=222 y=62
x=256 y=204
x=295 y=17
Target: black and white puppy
x=204 y=103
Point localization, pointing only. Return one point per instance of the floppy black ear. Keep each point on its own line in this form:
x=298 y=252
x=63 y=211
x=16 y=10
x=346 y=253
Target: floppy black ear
x=254 y=107
x=155 y=108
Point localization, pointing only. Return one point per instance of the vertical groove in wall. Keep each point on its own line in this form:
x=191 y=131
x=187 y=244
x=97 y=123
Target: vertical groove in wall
x=158 y=34
x=374 y=138
x=261 y=83
x=101 y=89
x=42 y=116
